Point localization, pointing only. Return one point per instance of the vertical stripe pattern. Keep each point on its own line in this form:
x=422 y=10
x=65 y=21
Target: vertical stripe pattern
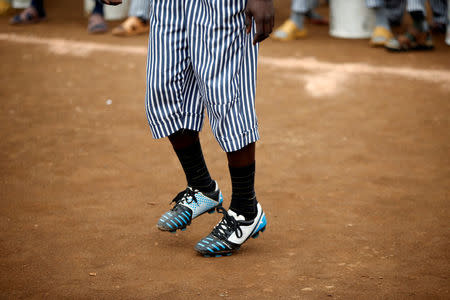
x=200 y=56
x=396 y=8
x=416 y=5
x=439 y=8
x=140 y=8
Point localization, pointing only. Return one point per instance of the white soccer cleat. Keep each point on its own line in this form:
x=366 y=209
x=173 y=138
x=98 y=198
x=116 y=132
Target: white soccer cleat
x=189 y=204
x=231 y=232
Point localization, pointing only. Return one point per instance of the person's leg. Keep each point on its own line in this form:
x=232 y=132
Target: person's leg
x=382 y=31
x=175 y=110
x=242 y=157
x=186 y=145
x=39 y=6
x=294 y=28
x=242 y=172
x=98 y=8
x=395 y=11
x=299 y=10
x=227 y=78
x=381 y=14
x=33 y=14
x=202 y=194
x=447 y=38
x=313 y=16
x=418 y=37
x=439 y=9
x=140 y=9
x=96 y=22
x=416 y=9
x=137 y=21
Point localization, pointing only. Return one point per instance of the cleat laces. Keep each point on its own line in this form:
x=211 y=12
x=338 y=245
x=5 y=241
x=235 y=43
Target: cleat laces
x=188 y=196
x=226 y=226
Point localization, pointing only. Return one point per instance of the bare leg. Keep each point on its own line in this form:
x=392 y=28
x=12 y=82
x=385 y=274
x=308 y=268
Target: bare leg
x=183 y=138
x=242 y=157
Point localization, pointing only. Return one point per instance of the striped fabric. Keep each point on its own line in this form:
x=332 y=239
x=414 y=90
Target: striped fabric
x=415 y=5
x=303 y=6
x=140 y=8
x=398 y=4
x=396 y=8
x=200 y=56
x=440 y=8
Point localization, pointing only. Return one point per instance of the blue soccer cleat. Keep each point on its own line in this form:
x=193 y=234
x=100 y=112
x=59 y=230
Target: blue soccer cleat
x=231 y=232
x=189 y=204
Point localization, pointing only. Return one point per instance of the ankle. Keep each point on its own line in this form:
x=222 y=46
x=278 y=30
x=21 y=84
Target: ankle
x=298 y=19
x=419 y=21
x=39 y=10
x=246 y=208
x=243 y=199
x=204 y=188
x=381 y=19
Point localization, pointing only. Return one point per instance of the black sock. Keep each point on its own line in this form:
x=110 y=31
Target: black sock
x=194 y=166
x=419 y=21
x=98 y=9
x=39 y=5
x=243 y=199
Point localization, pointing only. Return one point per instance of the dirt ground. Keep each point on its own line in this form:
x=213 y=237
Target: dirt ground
x=353 y=171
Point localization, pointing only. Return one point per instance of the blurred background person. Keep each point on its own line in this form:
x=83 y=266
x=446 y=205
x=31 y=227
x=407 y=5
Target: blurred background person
x=30 y=15
x=418 y=36
x=294 y=28
x=137 y=21
x=386 y=13
x=35 y=13
x=96 y=22
x=440 y=18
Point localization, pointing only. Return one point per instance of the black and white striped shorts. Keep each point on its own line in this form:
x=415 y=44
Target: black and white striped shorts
x=199 y=56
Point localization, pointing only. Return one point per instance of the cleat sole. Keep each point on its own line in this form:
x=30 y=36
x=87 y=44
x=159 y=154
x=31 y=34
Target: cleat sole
x=217 y=255
x=256 y=234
